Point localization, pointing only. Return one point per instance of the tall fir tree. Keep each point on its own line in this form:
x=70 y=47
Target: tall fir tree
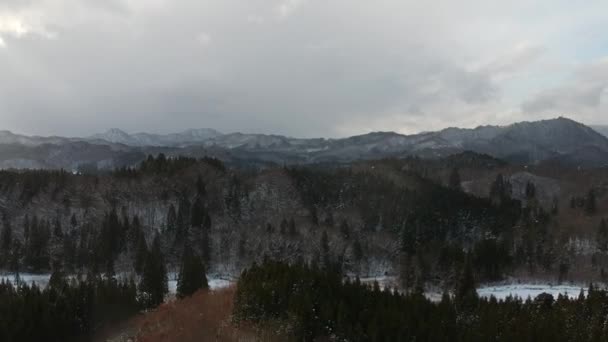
x=153 y=283
x=591 y=203
x=191 y=274
x=454 y=181
x=466 y=292
x=325 y=255
x=602 y=236
x=6 y=240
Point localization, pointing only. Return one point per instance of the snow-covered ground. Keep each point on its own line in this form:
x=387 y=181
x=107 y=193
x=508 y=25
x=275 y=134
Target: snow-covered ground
x=214 y=284
x=529 y=290
x=499 y=291
x=522 y=291
x=42 y=280
x=28 y=278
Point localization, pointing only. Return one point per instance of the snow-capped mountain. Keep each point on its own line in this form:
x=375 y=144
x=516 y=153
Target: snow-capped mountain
x=191 y=136
x=558 y=140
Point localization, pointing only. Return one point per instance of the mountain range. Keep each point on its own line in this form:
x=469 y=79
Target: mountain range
x=558 y=140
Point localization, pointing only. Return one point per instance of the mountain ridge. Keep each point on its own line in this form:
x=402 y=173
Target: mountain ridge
x=527 y=142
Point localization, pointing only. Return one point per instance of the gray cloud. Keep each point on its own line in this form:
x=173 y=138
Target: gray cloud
x=581 y=95
x=297 y=67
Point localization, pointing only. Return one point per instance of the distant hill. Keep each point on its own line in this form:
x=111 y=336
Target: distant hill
x=558 y=140
x=191 y=136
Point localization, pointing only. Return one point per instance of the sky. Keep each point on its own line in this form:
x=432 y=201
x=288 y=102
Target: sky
x=304 y=68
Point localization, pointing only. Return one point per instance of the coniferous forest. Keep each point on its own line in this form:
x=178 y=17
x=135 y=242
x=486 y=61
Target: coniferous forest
x=316 y=304
x=296 y=239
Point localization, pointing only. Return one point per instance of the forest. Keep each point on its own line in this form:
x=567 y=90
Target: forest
x=123 y=233
x=316 y=304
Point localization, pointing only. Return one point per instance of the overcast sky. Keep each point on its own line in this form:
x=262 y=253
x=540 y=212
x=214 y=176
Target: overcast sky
x=298 y=67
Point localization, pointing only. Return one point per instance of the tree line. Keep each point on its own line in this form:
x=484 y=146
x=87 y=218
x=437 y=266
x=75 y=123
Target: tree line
x=316 y=304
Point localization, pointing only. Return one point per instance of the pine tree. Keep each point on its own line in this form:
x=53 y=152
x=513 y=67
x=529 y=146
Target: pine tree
x=57 y=230
x=602 y=237
x=73 y=221
x=182 y=222
x=292 y=227
x=206 y=246
x=154 y=276
x=6 y=239
x=197 y=214
x=191 y=274
x=590 y=203
x=455 y=182
x=283 y=227
x=466 y=292
x=200 y=187
x=141 y=253
x=325 y=257
x=500 y=190
x=357 y=251
x=171 y=223
x=530 y=190
x=345 y=230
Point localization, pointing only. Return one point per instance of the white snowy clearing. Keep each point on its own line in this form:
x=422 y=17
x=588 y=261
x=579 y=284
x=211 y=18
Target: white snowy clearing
x=42 y=280
x=214 y=283
x=530 y=290
x=499 y=291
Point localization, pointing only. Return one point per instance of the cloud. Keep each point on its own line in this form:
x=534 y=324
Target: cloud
x=583 y=94
x=204 y=38
x=295 y=67
x=286 y=7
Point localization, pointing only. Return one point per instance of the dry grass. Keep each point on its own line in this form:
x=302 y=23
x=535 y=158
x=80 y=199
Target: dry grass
x=206 y=316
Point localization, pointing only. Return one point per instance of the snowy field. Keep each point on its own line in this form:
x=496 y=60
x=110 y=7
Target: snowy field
x=529 y=290
x=214 y=283
x=499 y=291
x=42 y=280
x=28 y=278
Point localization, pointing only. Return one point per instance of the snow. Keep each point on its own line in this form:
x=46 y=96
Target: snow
x=42 y=280
x=214 y=284
x=522 y=291
x=530 y=290
x=499 y=291
x=29 y=278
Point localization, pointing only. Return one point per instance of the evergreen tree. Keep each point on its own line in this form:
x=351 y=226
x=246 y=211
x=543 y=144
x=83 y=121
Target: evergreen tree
x=602 y=236
x=26 y=229
x=141 y=254
x=530 y=190
x=37 y=248
x=57 y=229
x=283 y=227
x=590 y=203
x=325 y=256
x=206 y=240
x=292 y=227
x=500 y=190
x=466 y=292
x=197 y=213
x=572 y=203
x=171 y=224
x=345 y=230
x=200 y=187
x=6 y=239
x=191 y=274
x=153 y=283
x=182 y=222
x=455 y=182
x=73 y=221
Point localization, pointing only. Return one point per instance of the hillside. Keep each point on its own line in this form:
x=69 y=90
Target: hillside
x=560 y=141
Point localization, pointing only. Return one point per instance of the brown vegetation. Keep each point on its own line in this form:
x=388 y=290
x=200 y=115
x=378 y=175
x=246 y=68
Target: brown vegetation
x=205 y=316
